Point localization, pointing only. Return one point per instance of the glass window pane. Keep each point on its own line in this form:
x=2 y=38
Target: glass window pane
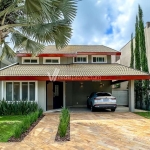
x=75 y=59
x=56 y=90
x=9 y=91
x=94 y=59
x=32 y=91
x=78 y=59
x=33 y=60
x=16 y=91
x=48 y=61
x=55 y=61
x=24 y=90
x=26 y=60
x=84 y=59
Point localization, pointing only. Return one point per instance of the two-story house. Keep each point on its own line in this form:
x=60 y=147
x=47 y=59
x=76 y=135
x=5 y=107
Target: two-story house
x=56 y=78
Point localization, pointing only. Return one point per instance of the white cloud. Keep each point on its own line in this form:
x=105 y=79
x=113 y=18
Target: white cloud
x=94 y=20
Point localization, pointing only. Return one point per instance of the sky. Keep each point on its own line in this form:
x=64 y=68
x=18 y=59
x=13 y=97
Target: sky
x=107 y=22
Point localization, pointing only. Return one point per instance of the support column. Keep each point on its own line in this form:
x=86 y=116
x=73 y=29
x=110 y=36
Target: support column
x=131 y=96
x=64 y=94
x=2 y=90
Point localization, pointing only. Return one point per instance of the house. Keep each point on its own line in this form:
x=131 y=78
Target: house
x=56 y=78
x=126 y=54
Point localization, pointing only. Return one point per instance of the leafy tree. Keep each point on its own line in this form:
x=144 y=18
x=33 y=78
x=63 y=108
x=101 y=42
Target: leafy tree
x=138 y=83
x=32 y=23
x=132 y=53
x=144 y=64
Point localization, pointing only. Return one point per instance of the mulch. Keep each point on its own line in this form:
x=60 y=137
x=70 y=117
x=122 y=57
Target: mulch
x=13 y=139
x=65 y=138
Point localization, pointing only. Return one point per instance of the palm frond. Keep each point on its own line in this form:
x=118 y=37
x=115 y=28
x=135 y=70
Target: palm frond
x=50 y=10
x=23 y=42
x=49 y=33
x=68 y=9
x=7 y=52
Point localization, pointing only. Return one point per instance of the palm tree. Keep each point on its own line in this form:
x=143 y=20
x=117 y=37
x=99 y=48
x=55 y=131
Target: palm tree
x=30 y=24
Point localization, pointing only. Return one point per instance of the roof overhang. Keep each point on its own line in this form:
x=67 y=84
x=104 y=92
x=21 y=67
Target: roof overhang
x=68 y=54
x=71 y=72
x=76 y=78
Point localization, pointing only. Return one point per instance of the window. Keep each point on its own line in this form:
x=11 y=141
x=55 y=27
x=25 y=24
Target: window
x=103 y=94
x=30 y=60
x=51 y=60
x=81 y=59
x=9 y=91
x=99 y=59
x=20 y=91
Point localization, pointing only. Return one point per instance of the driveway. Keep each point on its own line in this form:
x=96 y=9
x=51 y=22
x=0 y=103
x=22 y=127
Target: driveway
x=98 y=130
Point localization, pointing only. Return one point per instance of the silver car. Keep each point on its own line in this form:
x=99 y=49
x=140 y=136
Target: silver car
x=101 y=100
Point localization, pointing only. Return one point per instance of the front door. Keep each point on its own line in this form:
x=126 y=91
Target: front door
x=57 y=95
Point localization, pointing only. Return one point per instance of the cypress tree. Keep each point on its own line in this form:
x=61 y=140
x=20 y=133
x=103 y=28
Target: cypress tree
x=144 y=64
x=138 y=83
x=132 y=53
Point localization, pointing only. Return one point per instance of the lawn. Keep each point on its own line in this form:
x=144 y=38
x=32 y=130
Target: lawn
x=144 y=114
x=7 y=126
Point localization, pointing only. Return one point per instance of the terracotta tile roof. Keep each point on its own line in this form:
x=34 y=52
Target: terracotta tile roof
x=70 y=70
x=76 y=48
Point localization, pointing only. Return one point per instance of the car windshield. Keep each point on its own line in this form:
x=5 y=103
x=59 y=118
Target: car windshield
x=103 y=94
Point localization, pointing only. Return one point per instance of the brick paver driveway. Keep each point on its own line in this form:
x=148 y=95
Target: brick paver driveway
x=102 y=130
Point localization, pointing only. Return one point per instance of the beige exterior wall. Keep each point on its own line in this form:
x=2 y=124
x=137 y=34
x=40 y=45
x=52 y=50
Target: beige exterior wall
x=77 y=96
x=1 y=90
x=66 y=60
x=42 y=94
x=2 y=65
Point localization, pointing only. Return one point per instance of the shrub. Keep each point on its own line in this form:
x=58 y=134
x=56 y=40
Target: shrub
x=64 y=122
x=40 y=112
x=17 y=107
x=25 y=124
x=18 y=130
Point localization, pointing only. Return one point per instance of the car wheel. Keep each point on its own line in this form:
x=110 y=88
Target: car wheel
x=113 y=110
x=92 y=108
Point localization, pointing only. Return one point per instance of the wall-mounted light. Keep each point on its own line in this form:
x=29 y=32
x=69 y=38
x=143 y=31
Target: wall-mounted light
x=81 y=84
x=101 y=84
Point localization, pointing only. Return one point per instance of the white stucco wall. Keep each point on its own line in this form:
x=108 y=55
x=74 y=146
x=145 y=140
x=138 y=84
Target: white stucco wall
x=42 y=94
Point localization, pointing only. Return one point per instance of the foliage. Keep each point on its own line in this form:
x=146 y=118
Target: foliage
x=16 y=125
x=31 y=24
x=17 y=107
x=144 y=63
x=132 y=53
x=138 y=83
x=64 y=122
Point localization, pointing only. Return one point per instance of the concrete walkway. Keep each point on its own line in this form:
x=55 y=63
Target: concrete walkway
x=97 y=131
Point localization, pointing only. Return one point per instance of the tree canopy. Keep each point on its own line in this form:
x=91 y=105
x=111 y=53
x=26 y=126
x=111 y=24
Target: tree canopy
x=30 y=24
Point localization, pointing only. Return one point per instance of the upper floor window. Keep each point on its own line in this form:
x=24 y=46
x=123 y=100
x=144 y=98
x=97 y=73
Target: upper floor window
x=30 y=60
x=80 y=59
x=51 y=60
x=99 y=59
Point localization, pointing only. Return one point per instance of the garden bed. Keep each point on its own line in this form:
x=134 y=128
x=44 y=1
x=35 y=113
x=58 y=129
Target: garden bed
x=65 y=138
x=23 y=135
x=63 y=133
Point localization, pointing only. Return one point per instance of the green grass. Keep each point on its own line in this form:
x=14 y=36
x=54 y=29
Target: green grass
x=8 y=125
x=144 y=114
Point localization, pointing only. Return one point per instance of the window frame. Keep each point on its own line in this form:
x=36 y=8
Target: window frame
x=82 y=57
x=30 y=58
x=103 y=56
x=44 y=60
x=36 y=90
